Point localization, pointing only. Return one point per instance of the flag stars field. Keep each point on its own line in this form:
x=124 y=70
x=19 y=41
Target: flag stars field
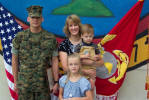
x=8 y=29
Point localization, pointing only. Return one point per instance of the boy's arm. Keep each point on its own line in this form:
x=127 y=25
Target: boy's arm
x=85 y=56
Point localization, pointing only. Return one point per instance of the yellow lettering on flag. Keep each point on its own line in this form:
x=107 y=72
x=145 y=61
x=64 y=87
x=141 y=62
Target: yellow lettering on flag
x=140 y=51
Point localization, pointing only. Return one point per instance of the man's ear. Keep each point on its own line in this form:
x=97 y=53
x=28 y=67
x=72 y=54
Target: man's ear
x=28 y=19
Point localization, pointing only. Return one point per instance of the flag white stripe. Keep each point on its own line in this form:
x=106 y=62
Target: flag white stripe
x=12 y=98
x=8 y=67
x=10 y=84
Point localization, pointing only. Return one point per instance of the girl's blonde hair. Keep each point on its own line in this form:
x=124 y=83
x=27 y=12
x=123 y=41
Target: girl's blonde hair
x=74 y=55
x=75 y=19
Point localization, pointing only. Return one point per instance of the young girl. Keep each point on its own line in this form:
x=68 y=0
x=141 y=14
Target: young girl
x=73 y=86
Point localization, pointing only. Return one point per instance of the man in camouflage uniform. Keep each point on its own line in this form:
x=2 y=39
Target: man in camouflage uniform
x=33 y=49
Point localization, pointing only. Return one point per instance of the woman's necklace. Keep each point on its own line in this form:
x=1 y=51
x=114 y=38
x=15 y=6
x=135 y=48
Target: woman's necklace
x=75 y=41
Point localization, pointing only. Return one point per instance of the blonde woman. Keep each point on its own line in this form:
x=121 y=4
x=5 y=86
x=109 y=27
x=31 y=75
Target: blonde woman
x=72 y=30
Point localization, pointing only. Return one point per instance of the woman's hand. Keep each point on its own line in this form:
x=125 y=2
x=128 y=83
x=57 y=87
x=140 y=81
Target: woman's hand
x=87 y=62
x=85 y=56
x=90 y=72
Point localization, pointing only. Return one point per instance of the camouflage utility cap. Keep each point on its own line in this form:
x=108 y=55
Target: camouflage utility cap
x=35 y=11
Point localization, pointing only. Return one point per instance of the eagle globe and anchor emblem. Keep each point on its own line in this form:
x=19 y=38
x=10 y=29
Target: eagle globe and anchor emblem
x=117 y=61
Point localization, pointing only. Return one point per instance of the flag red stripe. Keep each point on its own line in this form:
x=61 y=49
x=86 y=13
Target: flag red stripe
x=13 y=94
x=9 y=76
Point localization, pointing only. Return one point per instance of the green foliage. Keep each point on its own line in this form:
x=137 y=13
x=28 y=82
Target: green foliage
x=88 y=8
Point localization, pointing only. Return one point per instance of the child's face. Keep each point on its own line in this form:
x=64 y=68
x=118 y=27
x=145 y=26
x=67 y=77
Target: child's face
x=73 y=65
x=73 y=28
x=87 y=37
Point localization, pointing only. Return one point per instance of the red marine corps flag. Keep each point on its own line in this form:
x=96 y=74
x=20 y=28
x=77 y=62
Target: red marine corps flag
x=118 y=44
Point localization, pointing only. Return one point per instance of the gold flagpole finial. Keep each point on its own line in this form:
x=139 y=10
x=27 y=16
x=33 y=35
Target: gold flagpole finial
x=0 y=45
x=140 y=0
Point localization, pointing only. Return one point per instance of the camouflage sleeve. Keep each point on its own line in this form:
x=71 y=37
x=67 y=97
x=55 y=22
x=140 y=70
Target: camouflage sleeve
x=55 y=53
x=14 y=51
x=16 y=42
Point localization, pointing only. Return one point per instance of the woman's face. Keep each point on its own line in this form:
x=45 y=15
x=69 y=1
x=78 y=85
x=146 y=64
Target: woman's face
x=73 y=28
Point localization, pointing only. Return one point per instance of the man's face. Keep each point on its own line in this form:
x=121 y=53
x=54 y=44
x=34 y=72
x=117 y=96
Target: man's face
x=35 y=22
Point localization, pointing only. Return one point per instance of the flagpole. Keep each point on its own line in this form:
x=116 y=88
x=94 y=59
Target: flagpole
x=148 y=63
x=147 y=74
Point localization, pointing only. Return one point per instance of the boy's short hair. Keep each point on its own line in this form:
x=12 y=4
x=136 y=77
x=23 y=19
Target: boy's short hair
x=87 y=28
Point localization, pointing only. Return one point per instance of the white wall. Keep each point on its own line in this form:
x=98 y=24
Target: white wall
x=4 y=92
x=133 y=87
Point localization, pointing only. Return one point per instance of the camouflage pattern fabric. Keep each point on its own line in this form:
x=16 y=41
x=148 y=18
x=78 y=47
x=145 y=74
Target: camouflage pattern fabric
x=24 y=95
x=35 y=11
x=34 y=52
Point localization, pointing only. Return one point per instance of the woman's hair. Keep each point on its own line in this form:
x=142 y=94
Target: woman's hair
x=74 y=55
x=76 y=20
x=87 y=28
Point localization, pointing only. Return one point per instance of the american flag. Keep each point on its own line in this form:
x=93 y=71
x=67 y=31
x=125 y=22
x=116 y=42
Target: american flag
x=8 y=28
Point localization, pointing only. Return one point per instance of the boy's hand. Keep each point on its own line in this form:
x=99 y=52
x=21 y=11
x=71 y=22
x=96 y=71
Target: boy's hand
x=87 y=55
x=96 y=58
